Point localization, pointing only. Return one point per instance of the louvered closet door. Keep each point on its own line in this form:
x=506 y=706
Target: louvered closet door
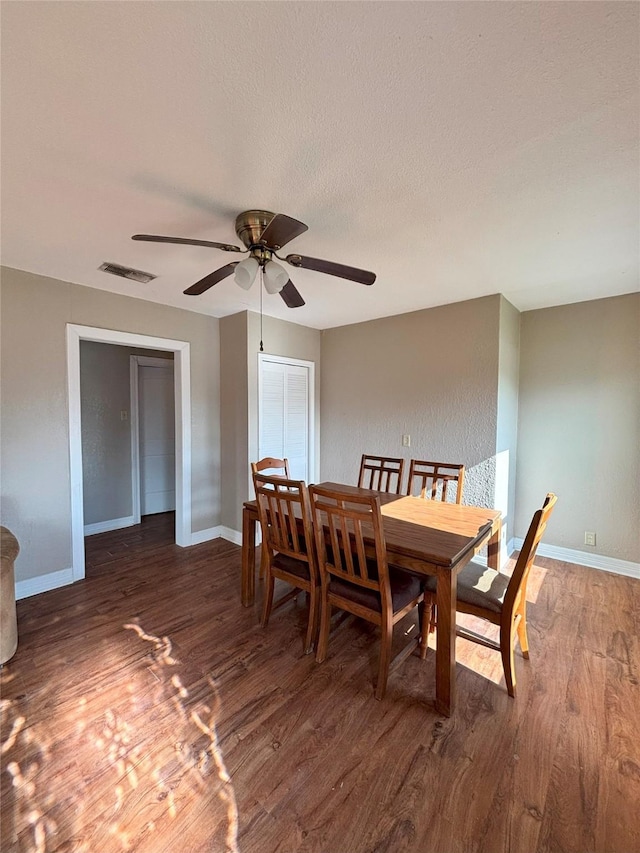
x=284 y=415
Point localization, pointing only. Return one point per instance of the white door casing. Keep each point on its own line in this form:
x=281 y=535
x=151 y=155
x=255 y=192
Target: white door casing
x=182 y=388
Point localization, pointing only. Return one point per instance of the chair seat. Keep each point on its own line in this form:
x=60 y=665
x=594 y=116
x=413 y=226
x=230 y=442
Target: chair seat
x=479 y=586
x=300 y=568
x=404 y=588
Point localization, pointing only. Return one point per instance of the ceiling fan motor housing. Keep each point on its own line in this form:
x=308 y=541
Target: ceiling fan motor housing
x=251 y=224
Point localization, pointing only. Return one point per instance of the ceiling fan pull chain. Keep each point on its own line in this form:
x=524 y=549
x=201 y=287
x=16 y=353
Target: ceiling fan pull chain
x=261 y=289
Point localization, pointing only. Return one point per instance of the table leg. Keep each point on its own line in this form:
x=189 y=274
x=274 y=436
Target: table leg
x=248 y=557
x=493 y=549
x=446 y=594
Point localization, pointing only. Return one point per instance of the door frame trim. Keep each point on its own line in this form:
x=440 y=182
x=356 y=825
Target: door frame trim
x=135 y=362
x=182 y=389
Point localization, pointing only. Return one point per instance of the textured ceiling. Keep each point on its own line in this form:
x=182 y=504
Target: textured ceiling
x=456 y=149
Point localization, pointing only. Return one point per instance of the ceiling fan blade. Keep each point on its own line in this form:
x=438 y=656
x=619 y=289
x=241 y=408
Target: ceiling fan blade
x=281 y=230
x=291 y=295
x=211 y=279
x=153 y=238
x=352 y=273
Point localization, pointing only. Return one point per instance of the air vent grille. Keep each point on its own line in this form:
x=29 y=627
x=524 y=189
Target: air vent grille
x=127 y=272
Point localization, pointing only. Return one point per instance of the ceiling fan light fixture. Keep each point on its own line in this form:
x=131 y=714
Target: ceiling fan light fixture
x=275 y=277
x=246 y=272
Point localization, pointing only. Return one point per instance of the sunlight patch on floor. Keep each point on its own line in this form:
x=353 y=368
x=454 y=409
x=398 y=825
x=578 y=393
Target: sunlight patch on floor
x=156 y=738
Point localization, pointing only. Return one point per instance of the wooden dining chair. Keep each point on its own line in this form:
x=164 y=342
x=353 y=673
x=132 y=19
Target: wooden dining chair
x=382 y=473
x=498 y=598
x=432 y=480
x=363 y=585
x=275 y=467
x=288 y=545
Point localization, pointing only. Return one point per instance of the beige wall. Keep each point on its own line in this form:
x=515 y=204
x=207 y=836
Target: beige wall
x=35 y=433
x=430 y=374
x=234 y=423
x=507 y=417
x=447 y=376
x=579 y=423
x=106 y=439
x=240 y=339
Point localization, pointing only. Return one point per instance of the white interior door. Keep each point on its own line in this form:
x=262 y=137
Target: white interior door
x=156 y=418
x=285 y=414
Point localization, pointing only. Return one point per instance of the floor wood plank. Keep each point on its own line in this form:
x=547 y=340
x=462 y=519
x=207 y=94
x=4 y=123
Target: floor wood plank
x=145 y=706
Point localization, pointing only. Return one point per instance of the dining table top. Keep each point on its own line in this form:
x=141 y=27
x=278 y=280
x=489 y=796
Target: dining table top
x=429 y=531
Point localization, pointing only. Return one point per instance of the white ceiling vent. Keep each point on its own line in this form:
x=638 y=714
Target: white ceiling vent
x=127 y=272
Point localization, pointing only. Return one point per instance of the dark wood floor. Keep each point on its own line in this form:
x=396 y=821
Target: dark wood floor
x=145 y=710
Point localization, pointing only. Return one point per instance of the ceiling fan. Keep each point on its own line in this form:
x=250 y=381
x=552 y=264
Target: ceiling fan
x=263 y=234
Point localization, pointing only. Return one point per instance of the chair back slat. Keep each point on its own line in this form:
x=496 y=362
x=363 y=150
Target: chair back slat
x=346 y=527
x=274 y=467
x=432 y=480
x=270 y=463
x=284 y=527
x=285 y=516
x=520 y=574
x=381 y=473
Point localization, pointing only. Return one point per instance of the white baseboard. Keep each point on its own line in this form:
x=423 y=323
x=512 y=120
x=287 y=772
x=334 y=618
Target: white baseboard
x=112 y=524
x=583 y=558
x=206 y=535
x=235 y=536
x=218 y=532
x=43 y=583
x=231 y=535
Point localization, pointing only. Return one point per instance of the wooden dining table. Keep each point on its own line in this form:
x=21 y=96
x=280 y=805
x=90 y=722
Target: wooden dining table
x=427 y=537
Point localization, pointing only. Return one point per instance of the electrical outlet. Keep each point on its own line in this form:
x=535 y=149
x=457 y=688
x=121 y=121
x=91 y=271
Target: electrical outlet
x=124 y=414
x=406 y=441
x=589 y=538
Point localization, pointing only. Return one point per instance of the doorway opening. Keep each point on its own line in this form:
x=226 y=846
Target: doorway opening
x=182 y=426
